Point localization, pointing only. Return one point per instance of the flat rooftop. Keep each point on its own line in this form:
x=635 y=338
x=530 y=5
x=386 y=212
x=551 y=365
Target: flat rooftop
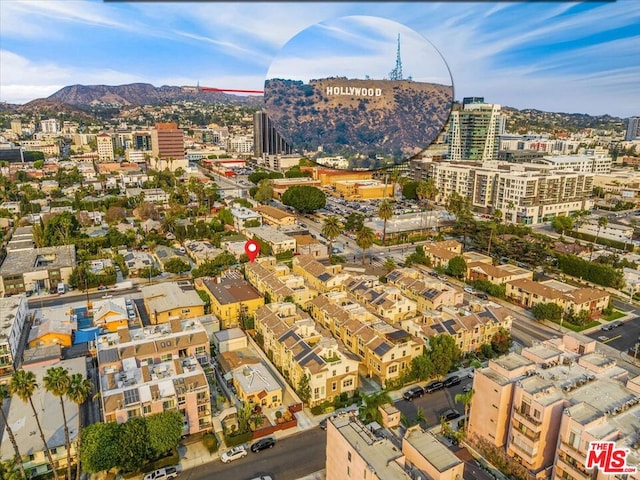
x=48 y=258
x=432 y=450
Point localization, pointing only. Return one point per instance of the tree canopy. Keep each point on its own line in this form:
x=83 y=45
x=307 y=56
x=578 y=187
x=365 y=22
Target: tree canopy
x=444 y=353
x=304 y=198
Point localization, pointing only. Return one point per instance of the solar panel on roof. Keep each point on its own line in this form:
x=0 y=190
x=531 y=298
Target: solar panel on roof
x=382 y=349
x=131 y=396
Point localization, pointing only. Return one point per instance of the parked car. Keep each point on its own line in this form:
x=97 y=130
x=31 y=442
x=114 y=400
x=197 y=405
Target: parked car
x=611 y=325
x=482 y=296
x=450 y=414
x=451 y=381
x=469 y=290
x=471 y=373
x=233 y=454
x=413 y=392
x=263 y=444
x=433 y=387
x=263 y=477
x=162 y=474
x=467 y=388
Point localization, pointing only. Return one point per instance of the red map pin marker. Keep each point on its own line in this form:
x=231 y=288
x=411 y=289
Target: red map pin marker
x=252 y=249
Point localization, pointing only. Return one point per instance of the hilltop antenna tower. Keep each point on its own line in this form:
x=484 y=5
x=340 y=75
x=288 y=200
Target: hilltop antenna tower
x=396 y=73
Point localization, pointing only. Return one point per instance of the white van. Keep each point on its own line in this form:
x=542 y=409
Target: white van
x=62 y=288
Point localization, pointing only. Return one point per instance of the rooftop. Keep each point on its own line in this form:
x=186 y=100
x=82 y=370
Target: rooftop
x=231 y=290
x=169 y=296
x=48 y=258
x=431 y=449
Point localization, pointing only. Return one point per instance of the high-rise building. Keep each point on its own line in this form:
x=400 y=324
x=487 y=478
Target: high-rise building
x=474 y=132
x=104 y=145
x=50 y=126
x=266 y=140
x=167 y=147
x=633 y=129
x=16 y=127
x=142 y=141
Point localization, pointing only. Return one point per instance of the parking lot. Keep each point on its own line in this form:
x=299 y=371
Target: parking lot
x=621 y=338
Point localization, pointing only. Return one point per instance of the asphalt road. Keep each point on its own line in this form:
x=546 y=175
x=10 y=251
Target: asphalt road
x=433 y=404
x=291 y=458
x=625 y=337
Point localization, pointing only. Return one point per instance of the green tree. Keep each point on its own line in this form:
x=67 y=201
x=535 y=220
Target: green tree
x=547 y=311
x=133 y=440
x=409 y=190
x=364 y=239
x=465 y=399
x=421 y=367
x=4 y=394
x=57 y=381
x=561 y=223
x=304 y=389
x=501 y=342
x=331 y=229
x=165 y=431
x=176 y=265
x=602 y=222
x=8 y=469
x=369 y=411
x=390 y=264
x=225 y=216
x=385 y=212
x=264 y=194
x=444 y=353
x=304 y=198
x=23 y=384
x=100 y=447
x=354 y=222
x=79 y=390
x=457 y=267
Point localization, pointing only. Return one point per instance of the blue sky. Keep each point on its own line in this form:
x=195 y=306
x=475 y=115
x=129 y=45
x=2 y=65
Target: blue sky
x=558 y=56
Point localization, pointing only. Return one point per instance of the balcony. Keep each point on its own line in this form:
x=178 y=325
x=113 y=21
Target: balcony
x=568 y=464
x=524 y=417
x=522 y=429
x=571 y=451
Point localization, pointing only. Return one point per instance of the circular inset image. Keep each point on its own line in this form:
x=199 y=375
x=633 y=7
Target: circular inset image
x=358 y=93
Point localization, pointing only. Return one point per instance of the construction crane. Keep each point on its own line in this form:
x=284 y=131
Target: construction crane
x=198 y=89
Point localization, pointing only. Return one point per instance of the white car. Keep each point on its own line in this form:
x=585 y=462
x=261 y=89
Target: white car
x=233 y=454
x=469 y=290
x=162 y=474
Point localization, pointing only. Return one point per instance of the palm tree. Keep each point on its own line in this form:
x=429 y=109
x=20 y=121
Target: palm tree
x=465 y=399
x=602 y=222
x=331 y=229
x=4 y=394
x=79 y=390
x=57 y=382
x=23 y=384
x=385 y=212
x=369 y=409
x=427 y=191
x=364 y=239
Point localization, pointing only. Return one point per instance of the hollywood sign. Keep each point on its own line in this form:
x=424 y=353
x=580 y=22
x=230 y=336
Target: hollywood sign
x=354 y=91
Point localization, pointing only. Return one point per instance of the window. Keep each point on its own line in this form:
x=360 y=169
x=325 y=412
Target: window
x=393 y=368
x=349 y=456
x=166 y=357
x=274 y=399
x=347 y=383
x=200 y=350
x=169 y=404
x=334 y=386
x=536 y=414
x=346 y=369
x=146 y=409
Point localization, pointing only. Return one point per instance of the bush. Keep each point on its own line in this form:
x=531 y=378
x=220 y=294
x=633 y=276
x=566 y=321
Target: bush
x=234 y=440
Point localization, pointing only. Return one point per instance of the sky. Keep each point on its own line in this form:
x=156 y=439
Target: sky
x=574 y=57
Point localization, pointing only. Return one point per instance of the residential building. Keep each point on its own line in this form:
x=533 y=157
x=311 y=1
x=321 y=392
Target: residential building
x=470 y=327
x=50 y=125
x=51 y=326
x=242 y=215
x=152 y=195
x=319 y=277
x=154 y=369
x=26 y=430
x=280 y=185
x=275 y=216
x=233 y=300
x=497 y=274
x=257 y=386
x=428 y=292
x=104 y=145
x=597 y=164
x=277 y=241
x=385 y=301
x=612 y=231
x=546 y=404
x=240 y=144
x=439 y=253
x=633 y=129
x=474 y=132
x=276 y=282
x=354 y=451
x=36 y=269
x=308 y=245
x=201 y=251
x=572 y=299
x=292 y=342
x=110 y=314
x=384 y=350
x=229 y=340
x=167 y=148
x=14 y=314
x=168 y=301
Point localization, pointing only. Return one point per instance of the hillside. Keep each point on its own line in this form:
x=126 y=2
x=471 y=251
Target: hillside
x=396 y=121
x=530 y=120
x=135 y=94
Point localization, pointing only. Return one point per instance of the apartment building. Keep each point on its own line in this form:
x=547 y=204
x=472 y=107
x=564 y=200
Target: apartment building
x=14 y=314
x=322 y=278
x=104 y=145
x=524 y=193
x=439 y=253
x=572 y=299
x=384 y=350
x=474 y=131
x=276 y=281
x=386 y=302
x=527 y=402
x=470 y=327
x=153 y=369
x=497 y=274
x=355 y=452
x=296 y=347
x=167 y=148
x=233 y=300
x=36 y=269
x=275 y=216
x=597 y=163
x=242 y=215
x=277 y=241
x=428 y=292
x=20 y=417
x=165 y=302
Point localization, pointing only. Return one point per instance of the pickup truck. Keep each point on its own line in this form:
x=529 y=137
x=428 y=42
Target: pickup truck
x=162 y=474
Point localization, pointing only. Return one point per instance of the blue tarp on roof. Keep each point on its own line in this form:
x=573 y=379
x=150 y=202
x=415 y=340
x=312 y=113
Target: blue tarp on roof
x=86 y=335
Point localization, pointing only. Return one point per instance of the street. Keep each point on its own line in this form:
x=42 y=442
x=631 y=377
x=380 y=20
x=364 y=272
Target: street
x=433 y=404
x=291 y=458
